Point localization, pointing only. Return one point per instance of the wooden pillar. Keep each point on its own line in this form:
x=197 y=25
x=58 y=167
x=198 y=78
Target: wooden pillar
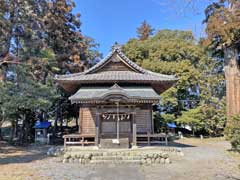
x=118 y=122
x=134 y=136
x=151 y=117
x=166 y=140
x=97 y=128
x=82 y=141
x=80 y=120
x=148 y=138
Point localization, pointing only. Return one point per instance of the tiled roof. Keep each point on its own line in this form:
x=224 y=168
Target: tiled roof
x=99 y=93
x=140 y=74
x=113 y=76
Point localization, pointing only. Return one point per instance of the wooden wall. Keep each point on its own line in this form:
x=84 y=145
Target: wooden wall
x=144 y=120
x=115 y=64
x=87 y=119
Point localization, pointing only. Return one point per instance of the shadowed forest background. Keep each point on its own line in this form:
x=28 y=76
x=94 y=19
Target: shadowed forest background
x=41 y=38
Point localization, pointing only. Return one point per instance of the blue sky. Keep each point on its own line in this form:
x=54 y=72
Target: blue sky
x=109 y=21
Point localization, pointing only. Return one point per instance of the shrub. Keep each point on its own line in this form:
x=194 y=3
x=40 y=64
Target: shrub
x=232 y=131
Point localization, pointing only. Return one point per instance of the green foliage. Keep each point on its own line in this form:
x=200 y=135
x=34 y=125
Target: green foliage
x=193 y=118
x=232 y=131
x=159 y=123
x=169 y=97
x=37 y=40
x=170 y=52
x=223 y=31
x=207 y=117
x=201 y=80
x=214 y=117
x=168 y=117
x=161 y=120
x=24 y=93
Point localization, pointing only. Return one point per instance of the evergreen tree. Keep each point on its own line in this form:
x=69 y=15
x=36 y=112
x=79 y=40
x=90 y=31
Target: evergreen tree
x=223 y=34
x=233 y=132
x=201 y=77
x=44 y=38
x=144 y=31
x=223 y=23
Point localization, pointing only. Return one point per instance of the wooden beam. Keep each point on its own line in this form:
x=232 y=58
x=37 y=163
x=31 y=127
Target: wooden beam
x=151 y=116
x=134 y=136
x=80 y=120
x=97 y=128
x=114 y=109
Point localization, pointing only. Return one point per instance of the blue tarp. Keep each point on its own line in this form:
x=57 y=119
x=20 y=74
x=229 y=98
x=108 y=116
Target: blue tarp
x=171 y=125
x=42 y=125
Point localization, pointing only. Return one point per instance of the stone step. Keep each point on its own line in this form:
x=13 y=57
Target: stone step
x=116 y=158
x=109 y=143
x=116 y=154
x=116 y=162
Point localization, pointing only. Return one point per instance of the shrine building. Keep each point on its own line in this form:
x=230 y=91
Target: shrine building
x=115 y=99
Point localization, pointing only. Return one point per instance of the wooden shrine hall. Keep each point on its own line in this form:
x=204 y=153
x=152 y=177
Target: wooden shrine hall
x=115 y=99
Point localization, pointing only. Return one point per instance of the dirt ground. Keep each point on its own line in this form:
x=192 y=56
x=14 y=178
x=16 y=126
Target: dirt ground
x=207 y=159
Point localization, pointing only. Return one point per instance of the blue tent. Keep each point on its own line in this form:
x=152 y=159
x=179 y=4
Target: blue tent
x=171 y=125
x=42 y=125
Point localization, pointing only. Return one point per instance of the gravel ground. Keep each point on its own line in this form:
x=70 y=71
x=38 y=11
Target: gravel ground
x=203 y=160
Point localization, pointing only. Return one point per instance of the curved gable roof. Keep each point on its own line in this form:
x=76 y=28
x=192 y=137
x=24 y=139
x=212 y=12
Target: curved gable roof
x=122 y=58
x=97 y=74
x=100 y=94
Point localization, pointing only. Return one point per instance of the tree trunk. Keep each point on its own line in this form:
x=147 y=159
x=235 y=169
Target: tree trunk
x=21 y=134
x=232 y=75
x=25 y=130
x=61 y=119
x=12 y=130
x=1 y=137
x=77 y=116
x=44 y=81
x=16 y=129
x=55 y=122
x=76 y=120
x=193 y=131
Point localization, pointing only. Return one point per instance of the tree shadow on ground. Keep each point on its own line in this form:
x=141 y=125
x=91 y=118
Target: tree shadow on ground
x=22 y=158
x=180 y=145
x=232 y=150
x=230 y=177
x=170 y=144
x=13 y=154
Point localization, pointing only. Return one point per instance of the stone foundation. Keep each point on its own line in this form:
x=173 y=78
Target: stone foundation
x=117 y=157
